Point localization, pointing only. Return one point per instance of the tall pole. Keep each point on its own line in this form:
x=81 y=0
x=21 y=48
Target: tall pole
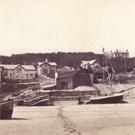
x=103 y=63
x=125 y=64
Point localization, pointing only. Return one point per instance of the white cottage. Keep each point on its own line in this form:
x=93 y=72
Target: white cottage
x=47 y=68
x=91 y=63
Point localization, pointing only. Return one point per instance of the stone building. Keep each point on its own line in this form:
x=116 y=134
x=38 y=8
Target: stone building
x=73 y=79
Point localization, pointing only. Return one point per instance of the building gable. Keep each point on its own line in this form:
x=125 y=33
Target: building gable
x=19 y=69
x=47 y=62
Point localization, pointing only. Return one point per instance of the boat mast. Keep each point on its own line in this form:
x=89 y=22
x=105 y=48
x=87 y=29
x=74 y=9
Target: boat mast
x=105 y=64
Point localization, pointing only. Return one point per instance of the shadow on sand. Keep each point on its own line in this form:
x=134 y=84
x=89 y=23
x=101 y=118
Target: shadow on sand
x=18 y=119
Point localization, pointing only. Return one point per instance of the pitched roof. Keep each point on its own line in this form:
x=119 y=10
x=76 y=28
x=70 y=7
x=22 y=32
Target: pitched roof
x=8 y=66
x=28 y=67
x=50 y=63
x=88 y=62
x=65 y=69
x=40 y=63
x=12 y=67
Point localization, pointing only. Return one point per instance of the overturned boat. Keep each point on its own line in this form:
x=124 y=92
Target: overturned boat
x=6 y=109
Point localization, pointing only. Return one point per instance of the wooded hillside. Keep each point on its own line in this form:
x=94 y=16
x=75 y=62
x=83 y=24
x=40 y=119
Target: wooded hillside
x=70 y=59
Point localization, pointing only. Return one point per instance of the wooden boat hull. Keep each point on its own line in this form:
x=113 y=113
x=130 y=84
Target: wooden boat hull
x=6 y=109
x=118 y=98
x=39 y=101
x=45 y=102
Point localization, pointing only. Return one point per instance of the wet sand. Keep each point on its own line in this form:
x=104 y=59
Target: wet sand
x=111 y=119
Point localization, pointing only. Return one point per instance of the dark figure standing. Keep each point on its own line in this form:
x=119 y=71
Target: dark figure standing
x=80 y=100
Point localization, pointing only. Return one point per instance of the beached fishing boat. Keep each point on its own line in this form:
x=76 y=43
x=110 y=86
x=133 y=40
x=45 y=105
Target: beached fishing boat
x=37 y=101
x=6 y=109
x=108 y=99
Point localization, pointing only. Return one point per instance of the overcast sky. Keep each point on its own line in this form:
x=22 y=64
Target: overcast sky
x=66 y=25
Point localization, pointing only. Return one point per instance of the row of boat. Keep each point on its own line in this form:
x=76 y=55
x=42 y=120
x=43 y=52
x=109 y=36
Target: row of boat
x=6 y=106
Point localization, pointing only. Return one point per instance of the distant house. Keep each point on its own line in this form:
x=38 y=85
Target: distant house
x=95 y=67
x=91 y=63
x=65 y=69
x=73 y=79
x=18 y=71
x=47 y=68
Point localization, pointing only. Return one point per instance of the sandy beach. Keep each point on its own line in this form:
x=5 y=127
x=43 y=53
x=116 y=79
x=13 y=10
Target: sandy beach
x=68 y=118
x=112 y=119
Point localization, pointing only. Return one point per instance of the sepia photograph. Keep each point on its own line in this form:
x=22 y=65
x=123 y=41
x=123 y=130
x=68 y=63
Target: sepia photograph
x=67 y=67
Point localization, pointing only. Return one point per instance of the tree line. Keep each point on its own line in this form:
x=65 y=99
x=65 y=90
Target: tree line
x=72 y=59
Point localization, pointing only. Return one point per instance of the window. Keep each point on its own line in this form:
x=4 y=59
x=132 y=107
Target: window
x=19 y=69
x=45 y=70
x=11 y=75
x=27 y=76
